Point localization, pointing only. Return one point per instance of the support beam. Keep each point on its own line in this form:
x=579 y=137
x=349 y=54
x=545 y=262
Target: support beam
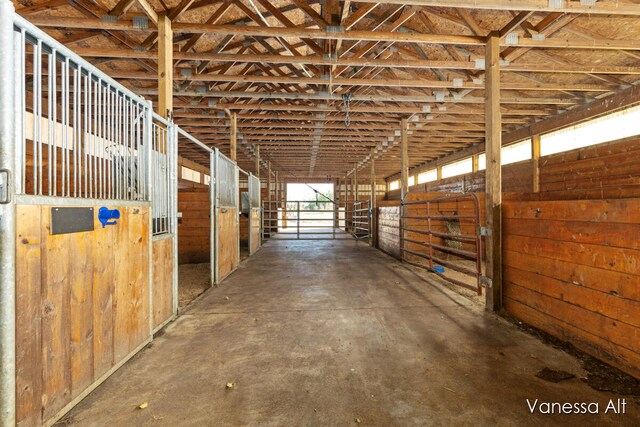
x=165 y=67
x=404 y=159
x=493 y=142
x=606 y=7
x=535 y=155
x=257 y=165
x=373 y=205
x=233 y=141
x=269 y=180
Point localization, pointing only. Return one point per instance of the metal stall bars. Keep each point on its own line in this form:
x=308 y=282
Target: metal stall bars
x=255 y=222
x=164 y=198
x=193 y=149
x=10 y=92
x=442 y=234
x=226 y=204
x=361 y=220
x=306 y=220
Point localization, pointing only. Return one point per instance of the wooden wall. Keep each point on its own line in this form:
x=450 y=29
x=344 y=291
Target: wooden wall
x=597 y=172
x=572 y=269
x=610 y=170
x=82 y=306
x=389 y=230
x=516 y=177
x=162 y=255
x=194 y=227
x=227 y=242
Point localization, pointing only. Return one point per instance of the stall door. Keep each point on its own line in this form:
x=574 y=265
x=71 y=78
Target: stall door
x=226 y=222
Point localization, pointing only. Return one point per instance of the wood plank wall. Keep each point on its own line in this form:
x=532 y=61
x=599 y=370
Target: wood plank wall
x=82 y=306
x=162 y=254
x=195 y=225
x=572 y=269
x=600 y=171
x=227 y=242
x=604 y=171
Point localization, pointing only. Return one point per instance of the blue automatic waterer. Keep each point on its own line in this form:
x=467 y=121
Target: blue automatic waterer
x=105 y=215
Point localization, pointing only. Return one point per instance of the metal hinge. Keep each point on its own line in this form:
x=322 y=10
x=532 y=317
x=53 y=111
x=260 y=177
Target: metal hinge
x=484 y=231
x=5 y=186
x=484 y=280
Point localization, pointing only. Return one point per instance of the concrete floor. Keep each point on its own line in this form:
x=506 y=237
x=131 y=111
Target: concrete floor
x=336 y=333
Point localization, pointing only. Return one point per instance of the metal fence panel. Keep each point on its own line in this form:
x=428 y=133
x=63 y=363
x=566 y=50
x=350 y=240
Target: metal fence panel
x=81 y=134
x=227 y=172
x=254 y=191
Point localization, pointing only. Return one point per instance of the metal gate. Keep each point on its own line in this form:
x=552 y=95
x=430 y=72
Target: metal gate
x=303 y=220
x=361 y=221
x=442 y=234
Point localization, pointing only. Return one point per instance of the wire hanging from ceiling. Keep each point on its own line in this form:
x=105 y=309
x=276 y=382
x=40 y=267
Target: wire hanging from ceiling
x=346 y=100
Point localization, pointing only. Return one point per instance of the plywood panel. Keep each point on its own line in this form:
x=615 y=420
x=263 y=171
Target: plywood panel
x=162 y=280
x=227 y=241
x=66 y=327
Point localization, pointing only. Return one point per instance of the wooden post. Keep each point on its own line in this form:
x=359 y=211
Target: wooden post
x=284 y=203
x=355 y=184
x=404 y=160
x=257 y=166
x=439 y=173
x=269 y=180
x=336 y=199
x=493 y=142
x=475 y=162
x=165 y=67
x=373 y=205
x=233 y=141
x=535 y=155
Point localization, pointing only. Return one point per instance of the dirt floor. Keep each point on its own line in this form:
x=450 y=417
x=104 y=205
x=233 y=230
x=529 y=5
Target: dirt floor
x=193 y=280
x=337 y=333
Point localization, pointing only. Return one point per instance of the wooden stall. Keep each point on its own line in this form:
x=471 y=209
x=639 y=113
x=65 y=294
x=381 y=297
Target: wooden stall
x=226 y=221
x=572 y=269
x=83 y=306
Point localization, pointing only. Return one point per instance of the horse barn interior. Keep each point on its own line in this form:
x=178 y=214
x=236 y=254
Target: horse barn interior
x=324 y=212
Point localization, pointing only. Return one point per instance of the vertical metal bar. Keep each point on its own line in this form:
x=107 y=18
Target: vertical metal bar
x=174 y=211
x=147 y=141
x=298 y=216
x=7 y=221
x=53 y=123
x=19 y=108
x=50 y=90
x=76 y=132
x=65 y=126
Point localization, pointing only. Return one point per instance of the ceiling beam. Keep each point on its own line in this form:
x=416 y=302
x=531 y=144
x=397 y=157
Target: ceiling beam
x=603 y=7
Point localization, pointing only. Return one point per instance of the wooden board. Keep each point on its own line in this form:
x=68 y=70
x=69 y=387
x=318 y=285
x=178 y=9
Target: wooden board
x=82 y=306
x=227 y=250
x=255 y=231
x=194 y=228
x=572 y=268
x=162 y=253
